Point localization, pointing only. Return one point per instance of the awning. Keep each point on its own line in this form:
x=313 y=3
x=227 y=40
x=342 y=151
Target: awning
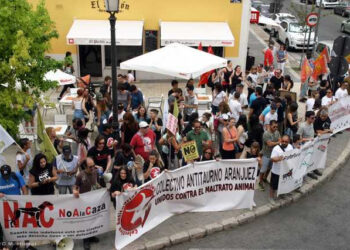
x=98 y=32
x=215 y=34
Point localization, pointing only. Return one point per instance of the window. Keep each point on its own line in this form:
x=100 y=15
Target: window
x=284 y=25
x=123 y=53
x=151 y=40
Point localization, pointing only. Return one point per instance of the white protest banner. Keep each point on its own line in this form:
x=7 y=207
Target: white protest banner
x=5 y=139
x=171 y=124
x=298 y=162
x=339 y=113
x=52 y=217
x=202 y=187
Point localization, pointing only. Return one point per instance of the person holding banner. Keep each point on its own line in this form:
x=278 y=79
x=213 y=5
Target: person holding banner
x=322 y=124
x=153 y=167
x=199 y=136
x=342 y=91
x=12 y=184
x=86 y=181
x=271 y=138
x=42 y=176
x=277 y=156
x=120 y=183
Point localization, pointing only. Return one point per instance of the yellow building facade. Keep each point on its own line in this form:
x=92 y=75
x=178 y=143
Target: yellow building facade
x=77 y=23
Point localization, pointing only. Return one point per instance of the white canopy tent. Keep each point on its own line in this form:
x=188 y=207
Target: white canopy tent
x=61 y=77
x=215 y=34
x=97 y=32
x=175 y=60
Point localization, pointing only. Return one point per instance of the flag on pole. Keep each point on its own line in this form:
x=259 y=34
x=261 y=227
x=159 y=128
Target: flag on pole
x=176 y=109
x=325 y=54
x=320 y=66
x=45 y=144
x=204 y=77
x=306 y=70
x=5 y=139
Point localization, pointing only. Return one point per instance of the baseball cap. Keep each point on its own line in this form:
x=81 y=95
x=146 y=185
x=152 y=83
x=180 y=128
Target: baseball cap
x=5 y=171
x=143 y=124
x=66 y=150
x=225 y=116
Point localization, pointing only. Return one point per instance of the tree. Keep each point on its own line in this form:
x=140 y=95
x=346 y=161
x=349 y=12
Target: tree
x=25 y=35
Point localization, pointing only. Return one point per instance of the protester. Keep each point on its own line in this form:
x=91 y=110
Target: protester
x=229 y=134
x=141 y=115
x=24 y=159
x=87 y=180
x=100 y=154
x=143 y=142
x=322 y=124
x=153 y=167
x=235 y=106
x=342 y=91
x=258 y=104
x=252 y=80
x=227 y=73
x=277 y=155
x=208 y=154
x=219 y=96
x=103 y=111
x=292 y=120
x=156 y=124
x=191 y=103
x=136 y=97
x=271 y=138
x=171 y=146
x=108 y=135
x=288 y=83
x=242 y=96
x=123 y=181
x=281 y=57
x=122 y=158
x=277 y=80
x=207 y=124
x=237 y=77
x=199 y=136
x=84 y=144
x=242 y=134
x=268 y=56
x=78 y=105
x=129 y=128
x=42 y=176
x=311 y=101
x=328 y=99
x=66 y=166
x=72 y=133
x=271 y=115
x=56 y=142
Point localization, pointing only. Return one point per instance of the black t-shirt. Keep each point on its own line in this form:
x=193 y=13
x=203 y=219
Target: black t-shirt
x=155 y=171
x=128 y=132
x=322 y=125
x=109 y=140
x=322 y=92
x=153 y=127
x=40 y=175
x=258 y=105
x=276 y=82
x=255 y=134
x=100 y=157
x=120 y=185
x=122 y=159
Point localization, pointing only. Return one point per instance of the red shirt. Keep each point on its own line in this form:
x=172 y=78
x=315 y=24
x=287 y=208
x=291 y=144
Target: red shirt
x=268 y=57
x=143 y=144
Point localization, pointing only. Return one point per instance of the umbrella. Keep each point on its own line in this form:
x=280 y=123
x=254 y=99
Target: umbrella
x=59 y=76
x=176 y=60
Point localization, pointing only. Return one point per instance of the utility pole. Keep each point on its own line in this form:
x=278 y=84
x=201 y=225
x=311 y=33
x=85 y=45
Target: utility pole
x=316 y=29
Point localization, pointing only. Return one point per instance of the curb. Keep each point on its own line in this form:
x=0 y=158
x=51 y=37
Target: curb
x=248 y=216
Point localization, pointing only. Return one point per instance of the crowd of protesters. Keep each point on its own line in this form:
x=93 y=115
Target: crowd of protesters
x=253 y=115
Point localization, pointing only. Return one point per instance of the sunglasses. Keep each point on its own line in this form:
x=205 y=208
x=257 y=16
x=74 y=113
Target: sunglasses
x=208 y=153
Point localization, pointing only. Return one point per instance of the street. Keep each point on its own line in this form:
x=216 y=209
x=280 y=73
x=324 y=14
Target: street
x=318 y=221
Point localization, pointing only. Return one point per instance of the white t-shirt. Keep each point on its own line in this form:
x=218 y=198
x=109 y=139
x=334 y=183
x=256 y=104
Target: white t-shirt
x=235 y=108
x=269 y=117
x=131 y=78
x=276 y=152
x=326 y=100
x=340 y=93
x=218 y=98
x=242 y=99
x=21 y=157
x=310 y=104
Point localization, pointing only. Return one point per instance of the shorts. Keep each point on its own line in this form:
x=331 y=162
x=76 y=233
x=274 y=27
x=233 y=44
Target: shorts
x=266 y=164
x=78 y=113
x=274 y=181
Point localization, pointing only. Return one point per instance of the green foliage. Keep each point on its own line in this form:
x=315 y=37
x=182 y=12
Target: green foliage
x=25 y=35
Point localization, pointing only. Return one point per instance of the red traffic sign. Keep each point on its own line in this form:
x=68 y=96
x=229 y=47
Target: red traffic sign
x=312 y=19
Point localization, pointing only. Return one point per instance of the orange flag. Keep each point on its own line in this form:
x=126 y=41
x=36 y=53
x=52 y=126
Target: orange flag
x=306 y=70
x=200 y=47
x=204 y=77
x=325 y=54
x=320 y=66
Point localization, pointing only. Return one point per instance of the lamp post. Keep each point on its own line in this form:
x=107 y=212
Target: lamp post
x=112 y=7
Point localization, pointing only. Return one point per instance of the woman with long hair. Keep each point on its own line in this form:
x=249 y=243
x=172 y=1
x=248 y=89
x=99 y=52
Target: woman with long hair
x=287 y=83
x=227 y=73
x=42 y=176
x=101 y=154
x=78 y=105
x=237 y=77
x=255 y=131
x=120 y=183
x=292 y=120
x=141 y=115
x=229 y=134
x=242 y=134
x=56 y=142
x=84 y=144
x=102 y=111
x=89 y=104
x=129 y=127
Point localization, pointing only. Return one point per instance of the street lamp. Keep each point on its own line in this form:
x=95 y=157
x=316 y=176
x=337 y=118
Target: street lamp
x=112 y=7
